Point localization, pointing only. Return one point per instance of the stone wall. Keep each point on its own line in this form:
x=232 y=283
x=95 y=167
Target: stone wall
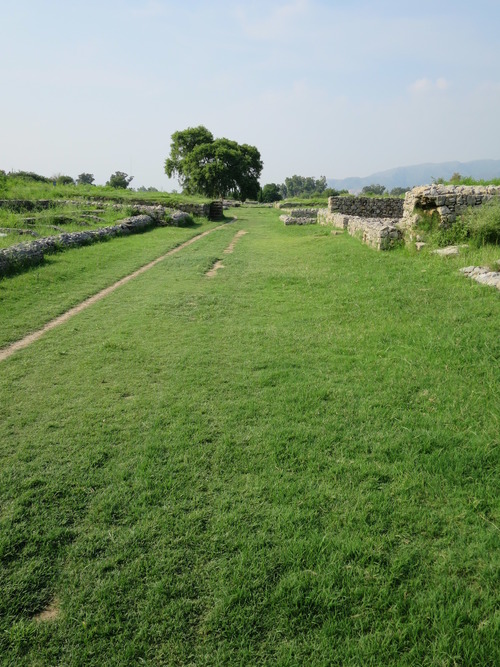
x=23 y=255
x=21 y=205
x=381 y=234
x=300 y=216
x=367 y=207
x=448 y=201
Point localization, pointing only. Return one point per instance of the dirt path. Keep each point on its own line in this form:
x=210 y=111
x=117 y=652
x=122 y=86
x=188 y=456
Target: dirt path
x=218 y=264
x=7 y=352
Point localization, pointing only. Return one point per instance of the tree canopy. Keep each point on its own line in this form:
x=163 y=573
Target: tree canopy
x=213 y=167
x=270 y=193
x=119 y=180
x=303 y=186
x=373 y=189
x=85 y=179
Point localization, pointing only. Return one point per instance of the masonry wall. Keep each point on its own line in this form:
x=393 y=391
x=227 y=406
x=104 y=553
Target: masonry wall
x=367 y=207
x=448 y=201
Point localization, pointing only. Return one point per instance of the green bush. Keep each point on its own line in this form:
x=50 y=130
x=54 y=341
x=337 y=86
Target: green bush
x=3 y=182
x=456 y=234
x=484 y=223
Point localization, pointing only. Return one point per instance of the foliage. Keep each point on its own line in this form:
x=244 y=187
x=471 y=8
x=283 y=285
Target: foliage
x=374 y=189
x=3 y=182
x=183 y=143
x=483 y=223
x=144 y=189
x=398 y=191
x=465 y=180
x=477 y=226
x=29 y=176
x=333 y=192
x=61 y=179
x=270 y=193
x=119 y=180
x=454 y=234
x=303 y=186
x=214 y=167
x=85 y=179
x=468 y=180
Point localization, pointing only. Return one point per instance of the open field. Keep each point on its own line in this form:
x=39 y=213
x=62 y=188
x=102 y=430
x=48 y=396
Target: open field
x=293 y=462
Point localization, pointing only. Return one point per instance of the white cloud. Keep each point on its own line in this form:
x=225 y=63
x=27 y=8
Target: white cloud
x=279 y=21
x=150 y=9
x=424 y=85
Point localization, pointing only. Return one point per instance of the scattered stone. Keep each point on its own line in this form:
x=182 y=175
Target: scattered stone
x=291 y=220
x=17 y=230
x=483 y=275
x=419 y=245
x=449 y=251
x=178 y=217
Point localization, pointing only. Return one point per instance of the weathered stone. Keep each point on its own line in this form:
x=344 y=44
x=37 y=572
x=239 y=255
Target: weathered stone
x=449 y=251
x=23 y=255
x=367 y=207
x=447 y=200
x=483 y=275
x=292 y=220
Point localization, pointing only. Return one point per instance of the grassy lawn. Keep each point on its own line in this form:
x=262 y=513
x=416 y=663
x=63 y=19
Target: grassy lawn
x=35 y=296
x=292 y=463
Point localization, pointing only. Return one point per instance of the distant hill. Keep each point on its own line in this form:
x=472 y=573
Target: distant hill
x=419 y=174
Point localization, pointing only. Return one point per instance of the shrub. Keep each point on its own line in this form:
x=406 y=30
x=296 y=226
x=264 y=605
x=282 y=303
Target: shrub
x=64 y=180
x=455 y=234
x=483 y=223
x=3 y=182
x=29 y=176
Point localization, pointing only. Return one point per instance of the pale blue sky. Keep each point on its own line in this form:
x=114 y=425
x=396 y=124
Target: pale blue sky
x=338 y=88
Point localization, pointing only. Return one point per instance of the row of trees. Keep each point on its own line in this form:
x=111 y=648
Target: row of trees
x=304 y=187
x=377 y=189
x=117 y=180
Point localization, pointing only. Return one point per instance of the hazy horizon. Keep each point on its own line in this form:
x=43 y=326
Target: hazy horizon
x=337 y=89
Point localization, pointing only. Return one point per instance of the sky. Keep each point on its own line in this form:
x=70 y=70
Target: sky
x=340 y=88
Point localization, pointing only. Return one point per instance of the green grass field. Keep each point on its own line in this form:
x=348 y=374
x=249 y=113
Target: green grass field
x=294 y=462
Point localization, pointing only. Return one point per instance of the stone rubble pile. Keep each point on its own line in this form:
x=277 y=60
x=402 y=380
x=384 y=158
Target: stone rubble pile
x=449 y=251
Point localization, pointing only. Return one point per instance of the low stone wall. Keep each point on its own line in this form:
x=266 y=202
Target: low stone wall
x=297 y=220
x=300 y=216
x=21 y=205
x=367 y=207
x=381 y=234
x=334 y=219
x=22 y=255
x=448 y=201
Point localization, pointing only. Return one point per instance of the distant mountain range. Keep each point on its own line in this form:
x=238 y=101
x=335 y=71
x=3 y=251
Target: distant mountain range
x=419 y=174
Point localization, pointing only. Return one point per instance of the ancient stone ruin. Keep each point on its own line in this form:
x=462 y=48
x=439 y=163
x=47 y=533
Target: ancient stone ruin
x=447 y=201
x=382 y=222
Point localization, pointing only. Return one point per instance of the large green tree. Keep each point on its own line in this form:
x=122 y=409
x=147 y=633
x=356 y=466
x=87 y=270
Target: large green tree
x=213 y=167
x=270 y=193
x=119 y=180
